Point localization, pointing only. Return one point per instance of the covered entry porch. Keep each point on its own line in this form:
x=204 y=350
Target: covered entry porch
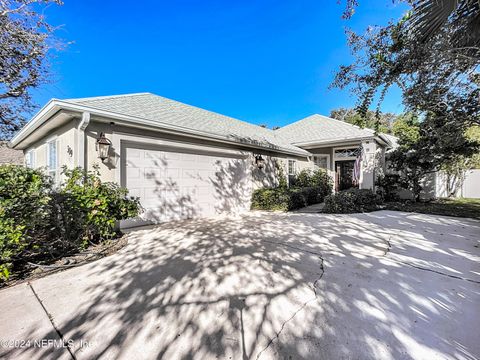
x=340 y=161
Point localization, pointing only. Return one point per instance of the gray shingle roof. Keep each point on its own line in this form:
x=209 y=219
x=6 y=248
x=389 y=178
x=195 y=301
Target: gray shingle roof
x=165 y=111
x=322 y=129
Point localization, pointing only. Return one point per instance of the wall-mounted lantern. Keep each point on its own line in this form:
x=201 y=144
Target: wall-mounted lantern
x=259 y=161
x=103 y=147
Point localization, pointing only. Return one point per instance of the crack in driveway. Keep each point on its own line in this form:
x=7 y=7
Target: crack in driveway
x=424 y=268
x=436 y=271
x=314 y=289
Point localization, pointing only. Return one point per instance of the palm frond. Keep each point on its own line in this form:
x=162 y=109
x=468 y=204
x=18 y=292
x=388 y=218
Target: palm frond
x=429 y=17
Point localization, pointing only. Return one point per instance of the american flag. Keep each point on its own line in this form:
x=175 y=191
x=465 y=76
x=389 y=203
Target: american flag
x=358 y=165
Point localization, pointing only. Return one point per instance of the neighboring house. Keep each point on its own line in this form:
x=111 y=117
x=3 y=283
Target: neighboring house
x=9 y=155
x=183 y=161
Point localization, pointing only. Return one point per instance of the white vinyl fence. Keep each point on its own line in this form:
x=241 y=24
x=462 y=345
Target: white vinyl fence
x=469 y=189
x=471 y=185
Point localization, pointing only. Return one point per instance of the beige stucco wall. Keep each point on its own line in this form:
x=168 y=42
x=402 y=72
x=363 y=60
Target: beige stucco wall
x=369 y=164
x=268 y=177
x=65 y=136
x=109 y=171
x=68 y=138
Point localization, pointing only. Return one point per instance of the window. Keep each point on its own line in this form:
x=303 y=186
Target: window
x=30 y=159
x=346 y=153
x=292 y=168
x=321 y=161
x=52 y=159
x=292 y=164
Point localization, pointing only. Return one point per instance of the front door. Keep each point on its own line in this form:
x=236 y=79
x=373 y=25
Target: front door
x=344 y=174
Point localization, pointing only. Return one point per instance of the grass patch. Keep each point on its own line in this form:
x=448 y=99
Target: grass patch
x=449 y=207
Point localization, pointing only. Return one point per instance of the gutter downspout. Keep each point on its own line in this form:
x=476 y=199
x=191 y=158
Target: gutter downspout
x=82 y=158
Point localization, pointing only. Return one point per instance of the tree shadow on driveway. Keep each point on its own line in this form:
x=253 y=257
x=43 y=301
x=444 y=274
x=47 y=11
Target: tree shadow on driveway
x=269 y=285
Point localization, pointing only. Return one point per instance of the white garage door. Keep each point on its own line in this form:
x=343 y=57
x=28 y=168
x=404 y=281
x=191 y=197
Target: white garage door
x=173 y=184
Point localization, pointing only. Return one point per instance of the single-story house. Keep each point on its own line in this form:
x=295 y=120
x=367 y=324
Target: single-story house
x=183 y=161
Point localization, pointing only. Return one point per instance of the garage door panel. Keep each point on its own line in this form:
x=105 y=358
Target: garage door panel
x=173 y=156
x=152 y=173
x=172 y=173
x=135 y=192
x=190 y=174
x=189 y=157
x=177 y=185
x=134 y=153
x=134 y=173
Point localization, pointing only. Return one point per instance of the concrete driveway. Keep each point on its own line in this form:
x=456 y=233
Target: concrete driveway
x=384 y=285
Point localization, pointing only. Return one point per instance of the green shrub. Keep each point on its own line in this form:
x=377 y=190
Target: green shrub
x=303 y=179
x=281 y=177
x=352 y=201
x=270 y=199
x=41 y=223
x=318 y=178
x=100 y=205
x=388 y=187
x=285 y=199
x=25 y=206
x=307 y=188
x=323 y=182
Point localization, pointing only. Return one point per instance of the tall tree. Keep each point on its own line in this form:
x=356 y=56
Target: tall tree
x=428 y=17
x=380 y=122
x=26 y=40
x=436 y=67
x=428 y=146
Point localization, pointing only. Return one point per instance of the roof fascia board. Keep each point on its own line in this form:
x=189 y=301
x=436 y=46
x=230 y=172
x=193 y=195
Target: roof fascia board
x=45 y=113
x=37 y=120
x=384 y=140
x=312 y=144
x=201 y=136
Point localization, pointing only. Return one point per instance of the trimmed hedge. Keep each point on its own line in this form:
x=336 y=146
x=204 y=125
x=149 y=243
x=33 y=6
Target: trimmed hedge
x=286 y=199
x=318 y=179
x=352 y=201
x=307 y=188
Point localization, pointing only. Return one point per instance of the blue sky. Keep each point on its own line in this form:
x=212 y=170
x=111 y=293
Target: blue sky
x=267 y=62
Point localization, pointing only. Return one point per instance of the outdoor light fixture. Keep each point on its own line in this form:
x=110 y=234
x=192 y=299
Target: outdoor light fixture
x=103 y=147
x=259 y=161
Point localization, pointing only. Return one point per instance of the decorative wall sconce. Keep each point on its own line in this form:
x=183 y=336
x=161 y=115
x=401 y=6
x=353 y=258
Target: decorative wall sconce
x=259 y=161
x=103 y=147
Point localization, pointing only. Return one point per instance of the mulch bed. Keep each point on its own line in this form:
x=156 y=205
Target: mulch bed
x=92 y=253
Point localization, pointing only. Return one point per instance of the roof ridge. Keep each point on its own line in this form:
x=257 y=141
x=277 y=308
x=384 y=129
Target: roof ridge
x=328 y=118
x=346 y=123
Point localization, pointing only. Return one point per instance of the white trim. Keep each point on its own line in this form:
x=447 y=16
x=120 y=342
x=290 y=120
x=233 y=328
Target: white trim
x=49 y=141
x=38 y=119
x=81 y=139
x=295 y=168
x=30 y=153
x=55 y=105
x=336 y=158
x=340 y=141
